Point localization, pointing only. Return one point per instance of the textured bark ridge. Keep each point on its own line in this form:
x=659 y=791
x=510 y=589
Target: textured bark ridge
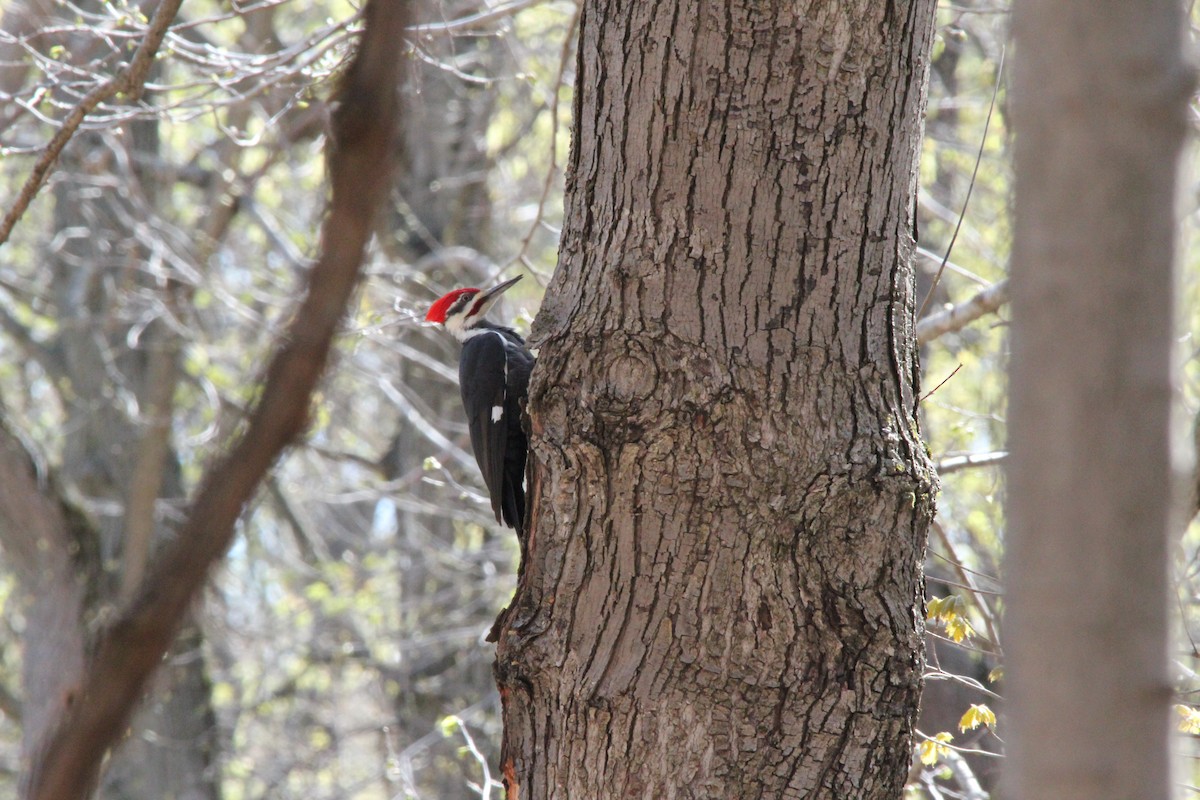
x=722 y=594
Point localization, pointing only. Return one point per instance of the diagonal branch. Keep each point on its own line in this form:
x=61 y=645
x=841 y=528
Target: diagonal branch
x=950 y=464
x=128 y=651
x=130 y=82
x=953 y=319
x=476 y=21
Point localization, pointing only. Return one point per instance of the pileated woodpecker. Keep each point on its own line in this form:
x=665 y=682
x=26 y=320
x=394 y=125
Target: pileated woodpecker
x=493 y=374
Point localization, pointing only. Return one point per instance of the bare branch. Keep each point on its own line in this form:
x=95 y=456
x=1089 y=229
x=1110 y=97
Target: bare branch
x=479 y=20
x=162 y=376
x=19 y=21
x=953 y=319
x=306 y=542
x=955 y=463
x=981 y=601
x=130 y=649
x=130 y=82
x=966 y=200
x=1194 y=506
x=563 y=60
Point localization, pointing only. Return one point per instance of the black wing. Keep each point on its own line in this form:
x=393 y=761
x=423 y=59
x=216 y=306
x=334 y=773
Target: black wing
x=492 y=415
x=520 y=364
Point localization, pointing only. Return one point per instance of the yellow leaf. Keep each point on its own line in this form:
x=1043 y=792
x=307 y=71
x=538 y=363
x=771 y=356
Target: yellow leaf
x=319 y=738
x=959 y=629
x=934 y=748
x=448 y=725
x=933 y=608
x=950 y=611
x=944 y=609
x=1189 y=719
x=977 y=715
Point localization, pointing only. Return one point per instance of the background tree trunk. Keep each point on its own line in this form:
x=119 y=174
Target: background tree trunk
x=111 y=295
x=115 y=364
x=723 y=589
x=1100 y=96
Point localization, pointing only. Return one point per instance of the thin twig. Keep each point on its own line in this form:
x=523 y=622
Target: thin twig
x=939 y=674
x=129 y=82
x=473 y=21
x=970 y=187
x=553 y=170
x=975 y=572
x=985 y=611
x=928 y=394
x=957 y=749
x=958 y=269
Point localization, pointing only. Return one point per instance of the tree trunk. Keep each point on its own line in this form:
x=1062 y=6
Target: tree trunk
x=1101 y=91
x=114 y=438
x=50 y=556
x=722 y=594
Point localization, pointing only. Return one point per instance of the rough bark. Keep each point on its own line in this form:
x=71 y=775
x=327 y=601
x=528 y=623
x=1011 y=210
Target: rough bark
x=723 y=590
x=1100 y=98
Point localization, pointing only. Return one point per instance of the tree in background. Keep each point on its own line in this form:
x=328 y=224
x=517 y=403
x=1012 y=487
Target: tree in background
x=1091 y=482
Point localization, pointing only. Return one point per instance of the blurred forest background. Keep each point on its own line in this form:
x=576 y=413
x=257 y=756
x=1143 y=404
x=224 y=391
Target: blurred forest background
x=340 y=652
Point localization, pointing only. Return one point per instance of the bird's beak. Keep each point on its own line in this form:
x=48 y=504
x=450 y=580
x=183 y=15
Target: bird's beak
x=494 y=292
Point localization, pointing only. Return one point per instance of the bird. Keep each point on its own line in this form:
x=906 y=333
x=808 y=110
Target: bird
x=493 y=377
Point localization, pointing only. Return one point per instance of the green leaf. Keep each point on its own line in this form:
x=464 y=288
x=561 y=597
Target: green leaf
x=448 y=725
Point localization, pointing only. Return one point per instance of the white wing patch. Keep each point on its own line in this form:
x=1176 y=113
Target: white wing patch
x=498 y=411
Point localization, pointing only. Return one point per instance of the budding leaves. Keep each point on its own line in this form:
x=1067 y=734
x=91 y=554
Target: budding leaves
x=935 y=747
x=1189 y=719
x=977 y=714
x=950 y=613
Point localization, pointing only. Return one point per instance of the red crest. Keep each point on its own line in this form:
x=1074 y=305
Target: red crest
x=437 y=311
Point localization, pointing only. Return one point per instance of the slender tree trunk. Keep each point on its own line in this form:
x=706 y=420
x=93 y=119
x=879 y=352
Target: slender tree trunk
x=116 y=449
x=1101 y=90
x=722 y=595
x=50 y=556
